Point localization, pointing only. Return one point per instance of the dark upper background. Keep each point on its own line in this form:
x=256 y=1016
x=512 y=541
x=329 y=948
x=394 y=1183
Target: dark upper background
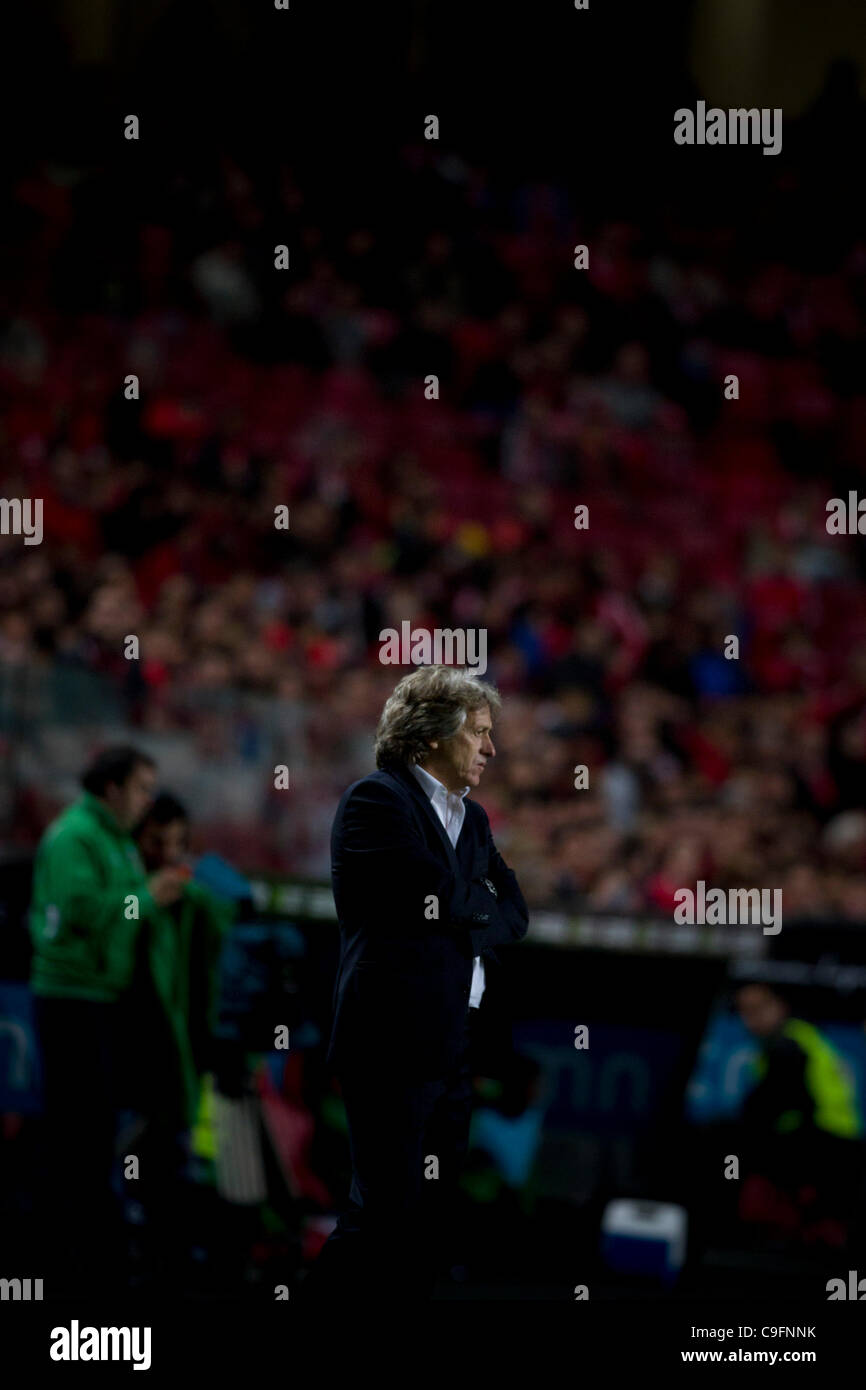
x=557 y=387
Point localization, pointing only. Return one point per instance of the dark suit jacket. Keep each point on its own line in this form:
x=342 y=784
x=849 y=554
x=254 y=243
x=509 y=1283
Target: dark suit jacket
x=403 y=983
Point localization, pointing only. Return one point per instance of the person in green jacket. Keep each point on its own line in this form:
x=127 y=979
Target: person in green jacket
x=183 y=945
x=173 y=1000
x=91 y=899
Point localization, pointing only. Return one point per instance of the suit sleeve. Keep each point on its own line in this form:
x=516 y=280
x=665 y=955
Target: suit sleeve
x=507 y=911
x=380 y=857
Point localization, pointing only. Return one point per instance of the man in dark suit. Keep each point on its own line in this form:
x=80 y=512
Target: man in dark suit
x=422 y=897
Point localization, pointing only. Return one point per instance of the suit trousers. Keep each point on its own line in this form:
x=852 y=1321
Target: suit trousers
x=408 y=1142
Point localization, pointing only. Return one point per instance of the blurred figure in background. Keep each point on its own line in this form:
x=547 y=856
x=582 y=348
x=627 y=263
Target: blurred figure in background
x=91 y=900
x=803 y=1152
x=172 y=1003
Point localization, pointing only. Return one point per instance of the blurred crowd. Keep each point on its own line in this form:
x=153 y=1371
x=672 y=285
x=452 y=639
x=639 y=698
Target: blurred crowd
x=452 y=504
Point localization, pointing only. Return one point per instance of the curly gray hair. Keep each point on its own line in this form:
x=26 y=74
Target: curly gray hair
x=430 y=703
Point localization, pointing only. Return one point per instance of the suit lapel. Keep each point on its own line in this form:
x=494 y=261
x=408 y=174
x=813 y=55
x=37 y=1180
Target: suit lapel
x=408 y=779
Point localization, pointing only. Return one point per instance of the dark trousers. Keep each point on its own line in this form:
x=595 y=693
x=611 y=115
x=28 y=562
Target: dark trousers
x=81 y=1222
x=148 y=1092
x=164 y=1195
x=400 y=1223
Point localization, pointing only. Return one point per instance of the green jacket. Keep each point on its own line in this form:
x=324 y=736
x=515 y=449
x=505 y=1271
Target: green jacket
x=87 y=938
x=182 y=950
x=83 y=923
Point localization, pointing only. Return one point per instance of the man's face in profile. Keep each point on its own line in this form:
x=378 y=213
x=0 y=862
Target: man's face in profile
x=460 y=761
x=130 y=801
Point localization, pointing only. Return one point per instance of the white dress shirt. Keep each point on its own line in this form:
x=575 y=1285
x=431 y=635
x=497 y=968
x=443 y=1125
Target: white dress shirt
x=451 y=811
